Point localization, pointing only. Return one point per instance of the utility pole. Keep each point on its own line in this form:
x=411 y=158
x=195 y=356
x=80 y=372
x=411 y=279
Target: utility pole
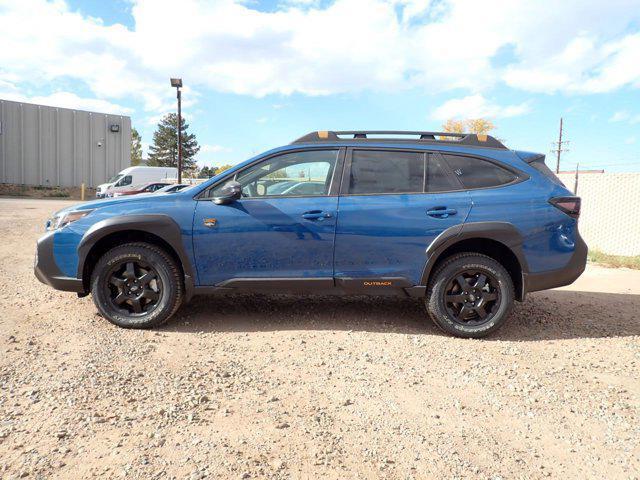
x=559 y=147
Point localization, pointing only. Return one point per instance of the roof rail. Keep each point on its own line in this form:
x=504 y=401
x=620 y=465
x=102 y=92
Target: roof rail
x=467 y=139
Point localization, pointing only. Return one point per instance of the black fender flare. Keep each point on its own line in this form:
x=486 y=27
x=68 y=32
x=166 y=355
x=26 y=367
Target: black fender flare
x=160 y=225
x=502 y=232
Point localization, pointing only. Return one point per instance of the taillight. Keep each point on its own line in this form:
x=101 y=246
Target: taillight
x=569 y=205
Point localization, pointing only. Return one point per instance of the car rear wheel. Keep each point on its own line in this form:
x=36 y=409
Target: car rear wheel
x=470 y=295
x=136 y=285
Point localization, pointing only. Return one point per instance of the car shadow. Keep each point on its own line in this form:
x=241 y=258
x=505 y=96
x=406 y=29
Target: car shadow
x=550 y=315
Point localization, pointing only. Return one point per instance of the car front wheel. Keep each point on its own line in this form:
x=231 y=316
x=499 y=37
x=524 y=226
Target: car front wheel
x=470 y=295
x=136 y=285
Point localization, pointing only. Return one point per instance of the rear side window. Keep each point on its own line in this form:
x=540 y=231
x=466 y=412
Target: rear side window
x=476 y=173
x=436 y=177
x=542 y=167
x=386 y=172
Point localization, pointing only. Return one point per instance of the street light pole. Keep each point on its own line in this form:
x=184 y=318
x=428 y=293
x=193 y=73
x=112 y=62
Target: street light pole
x=177 y=83
x=179 y=136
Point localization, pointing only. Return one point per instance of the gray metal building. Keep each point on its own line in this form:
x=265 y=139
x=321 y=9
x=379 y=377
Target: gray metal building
x=53 y=146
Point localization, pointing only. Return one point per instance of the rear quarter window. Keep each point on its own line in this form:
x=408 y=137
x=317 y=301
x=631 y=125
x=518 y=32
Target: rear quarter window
x=476 y=173
x=542 y=167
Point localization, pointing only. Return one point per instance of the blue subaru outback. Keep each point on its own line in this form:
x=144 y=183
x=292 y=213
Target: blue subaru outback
x=456 y=220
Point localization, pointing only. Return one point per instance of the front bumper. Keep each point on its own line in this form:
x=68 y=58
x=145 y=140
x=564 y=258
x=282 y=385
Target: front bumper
x=47 y=271
x=534 y=282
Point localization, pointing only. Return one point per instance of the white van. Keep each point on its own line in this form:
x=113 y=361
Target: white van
x=135 y=176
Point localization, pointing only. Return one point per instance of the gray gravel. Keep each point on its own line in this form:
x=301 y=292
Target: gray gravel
x=283 y=387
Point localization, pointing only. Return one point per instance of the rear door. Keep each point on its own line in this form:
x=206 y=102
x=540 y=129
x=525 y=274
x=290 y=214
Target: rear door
x=392 y=205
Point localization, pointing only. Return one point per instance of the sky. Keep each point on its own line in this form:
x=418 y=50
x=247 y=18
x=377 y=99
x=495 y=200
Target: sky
x=259 y=74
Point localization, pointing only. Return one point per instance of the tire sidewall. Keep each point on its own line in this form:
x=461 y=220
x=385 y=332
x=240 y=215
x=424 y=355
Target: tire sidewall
x=436 y=301
x=168 y=294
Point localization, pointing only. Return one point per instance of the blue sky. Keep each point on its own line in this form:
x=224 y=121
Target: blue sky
x=260 y=74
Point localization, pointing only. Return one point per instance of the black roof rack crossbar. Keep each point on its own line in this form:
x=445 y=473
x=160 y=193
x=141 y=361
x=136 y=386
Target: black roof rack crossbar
x=467 y=139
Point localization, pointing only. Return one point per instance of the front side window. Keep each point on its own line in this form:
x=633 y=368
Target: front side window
x=125 y=181
x=374 y=172
x=476 y=173
x=289 y=175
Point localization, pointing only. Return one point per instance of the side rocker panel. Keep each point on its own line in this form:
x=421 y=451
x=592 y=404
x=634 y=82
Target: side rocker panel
x=160 y=225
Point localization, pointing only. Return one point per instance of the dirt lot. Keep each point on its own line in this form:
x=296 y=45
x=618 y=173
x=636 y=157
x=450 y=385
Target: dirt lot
x=280 y=387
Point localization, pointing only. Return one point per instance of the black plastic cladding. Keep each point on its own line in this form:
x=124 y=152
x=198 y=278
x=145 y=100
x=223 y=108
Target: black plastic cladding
x=159 y=225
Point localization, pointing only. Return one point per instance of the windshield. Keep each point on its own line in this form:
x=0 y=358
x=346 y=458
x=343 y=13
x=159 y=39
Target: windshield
x=115 y=178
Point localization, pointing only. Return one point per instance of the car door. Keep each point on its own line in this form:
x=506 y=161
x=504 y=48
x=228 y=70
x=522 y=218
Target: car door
x=122 y=185
x=272 y=235
x=392 y=205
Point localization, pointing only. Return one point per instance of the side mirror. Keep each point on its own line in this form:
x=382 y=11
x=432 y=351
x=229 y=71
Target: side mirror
x=230 y=192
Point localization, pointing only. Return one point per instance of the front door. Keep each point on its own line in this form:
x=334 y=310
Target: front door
x=393 y=204
x=282 y=229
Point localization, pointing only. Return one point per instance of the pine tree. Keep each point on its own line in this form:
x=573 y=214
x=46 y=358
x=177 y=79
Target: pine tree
x=164 y=151
x=206 y=172
x=136 y=148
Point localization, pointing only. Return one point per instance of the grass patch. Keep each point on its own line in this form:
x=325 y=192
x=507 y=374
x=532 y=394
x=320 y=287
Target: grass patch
x=44 y=191
x=616 y=261
x=58 y=194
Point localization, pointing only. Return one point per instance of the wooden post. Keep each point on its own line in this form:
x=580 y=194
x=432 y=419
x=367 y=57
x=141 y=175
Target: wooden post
x=82 y=192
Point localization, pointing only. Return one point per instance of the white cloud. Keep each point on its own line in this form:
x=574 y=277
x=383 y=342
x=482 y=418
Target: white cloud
x=213 y=155
x=477 y=106
x=207 y=148
x=68 y=100
x=630 y=140
x=620 y=116
x=574 y=46
x=625 y=116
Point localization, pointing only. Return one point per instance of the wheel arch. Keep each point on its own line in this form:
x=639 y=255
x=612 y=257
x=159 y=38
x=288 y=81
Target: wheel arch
x=498 y=240
x=160 y=230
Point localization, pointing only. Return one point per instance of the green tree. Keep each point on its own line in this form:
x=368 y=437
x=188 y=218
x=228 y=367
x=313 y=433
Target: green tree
x=206 y=172
x=136 y=147
x=164 y=151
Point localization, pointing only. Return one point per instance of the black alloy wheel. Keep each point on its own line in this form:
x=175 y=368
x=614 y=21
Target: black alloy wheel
x=134 y=287
x=472 y=297
x=137 y=285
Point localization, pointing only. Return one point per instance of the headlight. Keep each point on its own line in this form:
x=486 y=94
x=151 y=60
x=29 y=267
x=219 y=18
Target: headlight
x=62 y=219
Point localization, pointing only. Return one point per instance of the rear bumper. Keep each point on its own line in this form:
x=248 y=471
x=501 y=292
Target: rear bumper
x=534 y=282
x=47 y=271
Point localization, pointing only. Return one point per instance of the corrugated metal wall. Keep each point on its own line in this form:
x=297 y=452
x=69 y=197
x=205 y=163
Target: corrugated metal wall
x=53 y=146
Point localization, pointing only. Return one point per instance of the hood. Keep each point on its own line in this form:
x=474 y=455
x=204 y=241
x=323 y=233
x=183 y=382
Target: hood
x=107 y=202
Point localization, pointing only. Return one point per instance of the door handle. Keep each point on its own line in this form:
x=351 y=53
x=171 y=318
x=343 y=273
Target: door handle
x=316 y=215
x=441 y=212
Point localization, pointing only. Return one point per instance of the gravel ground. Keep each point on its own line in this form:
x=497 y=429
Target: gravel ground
x=283 y=387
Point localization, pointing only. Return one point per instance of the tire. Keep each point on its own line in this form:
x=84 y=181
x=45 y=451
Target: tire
x=461 y=303
x=136 y=285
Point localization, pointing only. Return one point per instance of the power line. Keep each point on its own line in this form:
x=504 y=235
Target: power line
x=610 y=164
